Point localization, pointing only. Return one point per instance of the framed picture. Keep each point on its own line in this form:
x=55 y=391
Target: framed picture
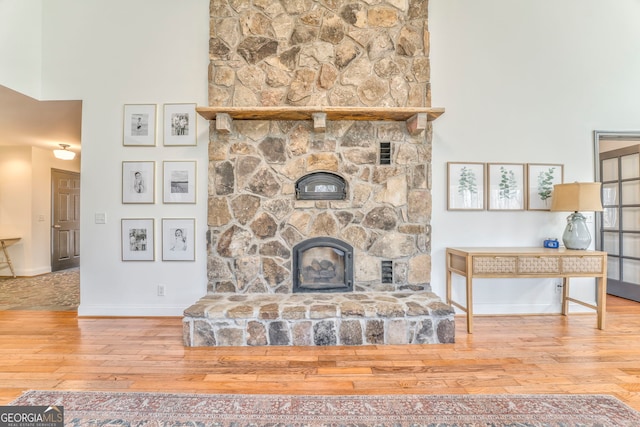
x=180 y=124
x=138 y=182
x=179 y=182
x=137 y=239
x=178 y=239
x=540 y=181
x=139 y=125
x=506 y=186
x=465 y=186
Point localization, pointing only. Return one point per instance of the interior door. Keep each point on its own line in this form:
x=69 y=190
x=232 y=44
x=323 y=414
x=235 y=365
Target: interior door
x=619 y=225
x=65 y=224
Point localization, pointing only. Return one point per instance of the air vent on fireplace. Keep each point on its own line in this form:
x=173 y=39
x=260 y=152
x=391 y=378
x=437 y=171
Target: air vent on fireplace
x=385 y=153
x=321 y=186
x=387 y=271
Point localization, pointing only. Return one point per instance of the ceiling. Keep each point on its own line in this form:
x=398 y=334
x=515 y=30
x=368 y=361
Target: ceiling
x=43 y=124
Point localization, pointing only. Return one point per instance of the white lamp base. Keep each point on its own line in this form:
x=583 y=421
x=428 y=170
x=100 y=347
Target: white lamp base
x=576 y=235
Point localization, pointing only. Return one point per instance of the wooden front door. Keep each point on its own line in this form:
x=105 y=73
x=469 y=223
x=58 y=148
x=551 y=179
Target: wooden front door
x=65 y=222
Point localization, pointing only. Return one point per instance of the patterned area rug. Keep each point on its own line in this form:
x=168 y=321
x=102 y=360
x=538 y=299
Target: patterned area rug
x=156 y=409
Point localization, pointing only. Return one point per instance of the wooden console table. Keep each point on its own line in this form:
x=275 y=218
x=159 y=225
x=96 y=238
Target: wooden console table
x=528 y=263
x=4 y=242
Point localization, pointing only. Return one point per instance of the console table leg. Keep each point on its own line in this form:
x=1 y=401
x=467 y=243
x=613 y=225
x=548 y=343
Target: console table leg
x=8 y=259
x=565 y=296
x=448 y=278
x=601 y=284
x=469 y=305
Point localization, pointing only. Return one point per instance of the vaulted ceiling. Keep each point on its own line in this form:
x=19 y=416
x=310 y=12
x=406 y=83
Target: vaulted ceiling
x=44 y=124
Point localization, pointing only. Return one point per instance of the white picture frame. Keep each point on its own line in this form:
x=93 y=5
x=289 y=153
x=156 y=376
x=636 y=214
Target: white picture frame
x=178 y=239
x=506 y=183
x=138 y=239
x=179 y=178
x=139 y=125
x=138 y=182
x=466 y=186
x=180 y=124
x=541 y=177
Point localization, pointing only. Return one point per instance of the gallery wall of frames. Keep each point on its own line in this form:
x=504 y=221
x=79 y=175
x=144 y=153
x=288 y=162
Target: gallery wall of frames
x=178 y=181
x=501 y=186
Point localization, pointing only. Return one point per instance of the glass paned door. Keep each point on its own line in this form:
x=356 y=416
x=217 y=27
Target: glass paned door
x=619 y=225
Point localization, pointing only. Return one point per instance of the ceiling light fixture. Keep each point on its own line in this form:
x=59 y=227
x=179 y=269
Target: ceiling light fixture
x=64 y=154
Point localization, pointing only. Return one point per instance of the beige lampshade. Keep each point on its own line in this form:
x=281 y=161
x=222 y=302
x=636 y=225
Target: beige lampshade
x=576 y=196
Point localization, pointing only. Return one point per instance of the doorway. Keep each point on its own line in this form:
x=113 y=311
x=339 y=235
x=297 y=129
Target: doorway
x=65 y=221
x=617 y=157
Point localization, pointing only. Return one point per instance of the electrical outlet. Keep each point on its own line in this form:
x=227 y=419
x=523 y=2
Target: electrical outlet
x=558 y=287
x=160 y=290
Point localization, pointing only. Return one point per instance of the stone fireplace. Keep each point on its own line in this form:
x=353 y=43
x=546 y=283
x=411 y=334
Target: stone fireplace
x=319 y=177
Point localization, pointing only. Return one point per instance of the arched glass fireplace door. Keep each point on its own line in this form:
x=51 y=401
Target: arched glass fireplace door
x=321 y=186
x=322 y=264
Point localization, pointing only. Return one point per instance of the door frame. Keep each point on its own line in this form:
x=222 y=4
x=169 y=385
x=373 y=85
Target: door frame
x=609 y=136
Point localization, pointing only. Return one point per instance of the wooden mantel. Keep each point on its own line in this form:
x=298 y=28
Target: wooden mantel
x=416 y=117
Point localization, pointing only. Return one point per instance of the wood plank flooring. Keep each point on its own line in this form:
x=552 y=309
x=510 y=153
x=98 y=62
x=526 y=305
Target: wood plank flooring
x=506 y=354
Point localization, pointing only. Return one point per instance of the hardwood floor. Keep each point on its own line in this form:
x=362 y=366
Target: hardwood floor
x=506 y=354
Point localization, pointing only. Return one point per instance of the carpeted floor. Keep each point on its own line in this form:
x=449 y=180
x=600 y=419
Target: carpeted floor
x=154 y=409
x=58 y=291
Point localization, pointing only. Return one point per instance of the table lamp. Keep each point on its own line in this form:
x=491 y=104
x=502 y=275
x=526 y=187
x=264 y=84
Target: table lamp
x=574 y=197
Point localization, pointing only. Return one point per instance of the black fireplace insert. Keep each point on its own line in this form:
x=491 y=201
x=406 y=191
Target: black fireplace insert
x=322 y=264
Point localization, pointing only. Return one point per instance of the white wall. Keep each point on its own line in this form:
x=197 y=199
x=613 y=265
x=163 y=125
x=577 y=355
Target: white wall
x=526 y=82
x=21 y=45
x=108 y=54
x=25 y=206
x=15 y=201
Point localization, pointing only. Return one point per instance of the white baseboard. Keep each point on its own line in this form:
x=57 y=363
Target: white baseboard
x=20 y=272
x=130 y=311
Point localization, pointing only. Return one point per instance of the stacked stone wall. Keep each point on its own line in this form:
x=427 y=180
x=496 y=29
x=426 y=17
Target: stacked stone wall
x=314 y=53
x=319 y=52
x=255 y=219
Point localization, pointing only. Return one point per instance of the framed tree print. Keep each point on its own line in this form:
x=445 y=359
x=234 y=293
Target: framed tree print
x=465 y=186
x=139 y=127
x=506 y=186
x=179 y=182
x=540 y=181
x=179 y=124
x=178 y=239
x=137 y=239
x=138 y=182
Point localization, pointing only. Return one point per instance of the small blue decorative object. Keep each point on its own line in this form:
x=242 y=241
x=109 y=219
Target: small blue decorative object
x=551 y=243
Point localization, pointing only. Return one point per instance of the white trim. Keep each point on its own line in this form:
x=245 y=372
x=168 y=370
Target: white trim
x=130 y=311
